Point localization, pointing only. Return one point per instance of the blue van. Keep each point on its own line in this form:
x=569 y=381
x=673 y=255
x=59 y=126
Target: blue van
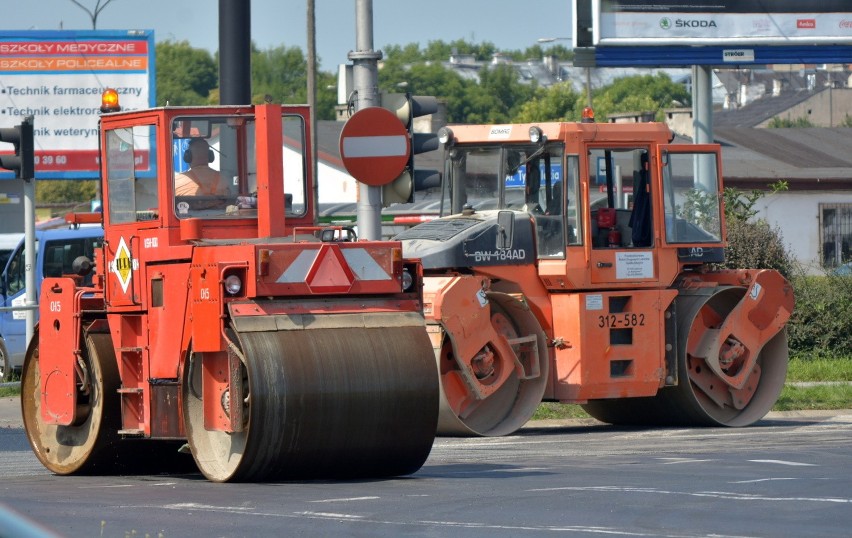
x=56 y=250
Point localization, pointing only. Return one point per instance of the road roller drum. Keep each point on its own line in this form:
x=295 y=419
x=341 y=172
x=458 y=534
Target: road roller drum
x=341 y=402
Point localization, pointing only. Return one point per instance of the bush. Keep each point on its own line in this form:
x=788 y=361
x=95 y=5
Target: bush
x=822 y=319
x=786 y=123
x=756 y=245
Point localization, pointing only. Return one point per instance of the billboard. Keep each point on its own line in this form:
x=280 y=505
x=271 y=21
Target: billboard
x=720 y=22
x=57 y=77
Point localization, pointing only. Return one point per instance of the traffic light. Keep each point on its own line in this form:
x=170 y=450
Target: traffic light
x=407 y=107
x=23 y=161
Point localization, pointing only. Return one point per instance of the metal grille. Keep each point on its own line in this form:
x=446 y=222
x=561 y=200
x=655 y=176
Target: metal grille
x=835 y=233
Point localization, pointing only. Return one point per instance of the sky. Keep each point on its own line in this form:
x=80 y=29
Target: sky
x=508 y=25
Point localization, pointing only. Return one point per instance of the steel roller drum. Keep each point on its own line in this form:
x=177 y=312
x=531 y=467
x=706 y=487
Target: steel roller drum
x=514 y=403
x=336 y=402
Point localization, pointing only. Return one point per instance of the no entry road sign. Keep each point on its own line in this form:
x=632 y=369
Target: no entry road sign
x=374 y=146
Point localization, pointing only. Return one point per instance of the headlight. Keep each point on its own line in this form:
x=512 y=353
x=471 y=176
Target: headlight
x=407 y=279
x=535 y=134
x=445 y=135
x=233 y=284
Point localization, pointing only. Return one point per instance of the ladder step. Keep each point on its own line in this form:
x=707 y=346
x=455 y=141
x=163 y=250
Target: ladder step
x=133 y=431
x=130 y=390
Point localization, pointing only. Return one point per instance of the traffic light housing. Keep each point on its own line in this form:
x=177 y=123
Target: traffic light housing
x=23 y=161
x=407 y=107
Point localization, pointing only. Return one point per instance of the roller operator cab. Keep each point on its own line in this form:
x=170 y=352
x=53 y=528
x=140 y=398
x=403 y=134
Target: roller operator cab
x=221 y=320
x=573 y=262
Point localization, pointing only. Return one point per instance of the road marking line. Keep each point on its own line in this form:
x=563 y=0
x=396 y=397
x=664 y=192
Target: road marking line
x=567 y=529
x=717 y=494
x=672 y=461
x=207 y=507
x=329 y=514
x=761 y=480
x=783 y=462
x=345 y=499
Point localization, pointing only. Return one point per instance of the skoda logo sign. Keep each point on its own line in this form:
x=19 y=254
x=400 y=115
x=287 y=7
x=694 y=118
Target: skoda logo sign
x=665 y=23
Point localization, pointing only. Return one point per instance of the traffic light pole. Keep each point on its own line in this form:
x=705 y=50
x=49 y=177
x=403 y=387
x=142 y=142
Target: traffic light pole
x=29 y=235
x=23 y=164
x=365 y=82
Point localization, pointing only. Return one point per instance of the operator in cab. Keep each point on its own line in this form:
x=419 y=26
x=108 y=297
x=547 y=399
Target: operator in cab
x=200 y=179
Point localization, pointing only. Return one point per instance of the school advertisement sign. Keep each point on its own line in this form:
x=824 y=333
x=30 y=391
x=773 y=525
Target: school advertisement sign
x=58 y=77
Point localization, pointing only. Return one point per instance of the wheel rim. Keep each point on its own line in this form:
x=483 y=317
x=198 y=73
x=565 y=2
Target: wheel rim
x=218 y=454
x=510 y=406
x=84 y=446
x=707 y=394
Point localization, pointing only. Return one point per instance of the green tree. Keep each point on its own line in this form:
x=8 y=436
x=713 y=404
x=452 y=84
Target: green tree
x=440 y=51
x=753 y=244
x=65 y=191
x=279 y=73
x=537 y=52
x=427 y=79
x=638 y=93
x=556 y=103
x=185 y=75
x=501 y=81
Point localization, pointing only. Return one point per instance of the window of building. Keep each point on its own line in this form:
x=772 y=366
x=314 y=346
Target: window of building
x=835 y=233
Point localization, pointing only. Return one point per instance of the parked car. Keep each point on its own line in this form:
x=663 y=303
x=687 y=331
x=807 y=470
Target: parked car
x=56 y=250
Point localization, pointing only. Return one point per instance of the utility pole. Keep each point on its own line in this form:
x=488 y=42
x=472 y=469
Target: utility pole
x=365 y=80
x=312 y=100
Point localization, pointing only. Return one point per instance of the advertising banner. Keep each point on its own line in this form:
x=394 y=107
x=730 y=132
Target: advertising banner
x=58 y=77
x=717 y=22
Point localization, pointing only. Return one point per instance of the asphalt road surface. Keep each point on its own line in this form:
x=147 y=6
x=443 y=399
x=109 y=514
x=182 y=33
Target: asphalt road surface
x=790 y=475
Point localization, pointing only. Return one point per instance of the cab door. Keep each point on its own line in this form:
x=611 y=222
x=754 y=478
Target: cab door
x=691 y=199
x=129 y=170
x=621 y=216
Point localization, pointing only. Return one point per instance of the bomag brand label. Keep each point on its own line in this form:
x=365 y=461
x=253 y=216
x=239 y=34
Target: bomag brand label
x=500 y=132
x=500 y=255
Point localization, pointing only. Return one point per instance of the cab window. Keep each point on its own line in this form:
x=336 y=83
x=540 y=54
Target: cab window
x=691 y=196
x=215 y=166
x=620 y=197
x=59 y=256
x=16 y=273
x=131 y=174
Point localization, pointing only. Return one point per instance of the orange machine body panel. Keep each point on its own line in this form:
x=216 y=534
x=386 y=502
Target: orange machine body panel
x=592 y=227
x=169 y=262
x=612 y=343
